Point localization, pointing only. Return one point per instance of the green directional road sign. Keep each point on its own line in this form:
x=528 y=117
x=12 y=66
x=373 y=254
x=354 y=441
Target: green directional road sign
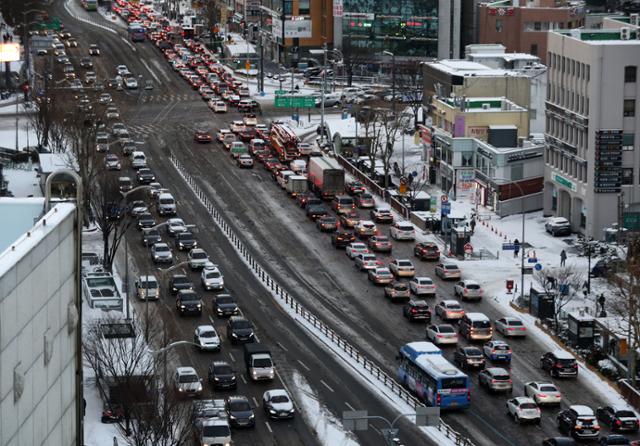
x=280 y=92
x=295 y=102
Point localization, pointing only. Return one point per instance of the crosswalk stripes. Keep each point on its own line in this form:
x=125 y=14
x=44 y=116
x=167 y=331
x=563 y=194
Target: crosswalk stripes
x=163 y=98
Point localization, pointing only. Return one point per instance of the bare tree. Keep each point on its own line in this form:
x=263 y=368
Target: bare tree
x=409 y=87
x=354 y=55
x=127 y=373
x=111 y=215
x=368 y=119
x=390 y=123
x=211 y=9
x=563 y=282
x=623 y=302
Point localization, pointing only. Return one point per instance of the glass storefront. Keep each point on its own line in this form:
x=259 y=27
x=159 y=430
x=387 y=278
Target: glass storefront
x=408 y=28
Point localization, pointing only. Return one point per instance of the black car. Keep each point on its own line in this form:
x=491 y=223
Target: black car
x=604 y=267
x=145 y=220
x=150 y=236
x=312 y=200
x=469 y=357
x=314 y=212
x=417 y=310
x=614 y=440
x=239 y=330
x=559 y=441
x=179 y=282
x=342 y=239
x=559 y=363
x=239 y=411
x=579 y=422
x=618 y=418
x=224 y=305
x=222 y=375
x=145 y=176
x=185 y=241
x=188 y=302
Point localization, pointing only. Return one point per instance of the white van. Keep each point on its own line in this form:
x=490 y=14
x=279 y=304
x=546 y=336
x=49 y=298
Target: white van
x=138 y=159
x=166 y=204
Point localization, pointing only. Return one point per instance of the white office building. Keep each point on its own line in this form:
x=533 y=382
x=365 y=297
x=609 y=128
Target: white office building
x=592 y=167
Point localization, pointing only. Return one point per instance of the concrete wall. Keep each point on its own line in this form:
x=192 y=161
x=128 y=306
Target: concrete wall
x=449 y=13
x=34 y=298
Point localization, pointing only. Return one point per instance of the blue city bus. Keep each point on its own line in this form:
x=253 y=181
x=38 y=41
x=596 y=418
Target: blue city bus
x=136 y=33
x=433 y=379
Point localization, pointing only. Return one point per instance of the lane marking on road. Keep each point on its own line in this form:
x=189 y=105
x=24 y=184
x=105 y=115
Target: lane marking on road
x=326 y=385
x=161 y=70
x=303 y=365
x=150 y=70
x=349 y=406
x=244 y=380
x=211 y=320
x=377 y=430
x=133 y=48
x=281 y=346
x=255 y=401
x=232 y=358
x=266 y=423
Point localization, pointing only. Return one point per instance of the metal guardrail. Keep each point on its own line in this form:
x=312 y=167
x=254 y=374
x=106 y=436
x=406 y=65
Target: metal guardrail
x=381 y=376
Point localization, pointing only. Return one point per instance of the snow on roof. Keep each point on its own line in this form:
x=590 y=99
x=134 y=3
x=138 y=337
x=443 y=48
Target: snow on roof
x=582 y=411
x=345 y=127
x=19 y=230
x=477 y=317
x=463 y=67
x=240 y=48
x=581 y=316
x=50 y=162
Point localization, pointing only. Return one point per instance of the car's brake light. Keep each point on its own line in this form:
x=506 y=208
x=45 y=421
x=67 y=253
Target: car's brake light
x=542 y=395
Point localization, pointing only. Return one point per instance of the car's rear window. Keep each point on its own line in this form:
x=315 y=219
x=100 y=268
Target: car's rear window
x=625 y=414
x=451 y=267
x=566 y=362
x=501 y=377
x=528 y=406
x=446 y=329
x=481 y=324
x=501 y=347
x=473 y=286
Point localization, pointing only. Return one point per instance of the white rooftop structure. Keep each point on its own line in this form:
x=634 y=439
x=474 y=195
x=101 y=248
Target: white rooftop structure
x=50 y=162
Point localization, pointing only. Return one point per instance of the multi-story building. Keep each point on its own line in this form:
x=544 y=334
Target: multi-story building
x=489 y=71
x=290 y=27
x=40 y=359
x=522 y=26
x=592 y=121
x=407 y=28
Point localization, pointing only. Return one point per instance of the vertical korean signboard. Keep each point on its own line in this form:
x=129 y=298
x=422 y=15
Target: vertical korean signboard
x=608 y=161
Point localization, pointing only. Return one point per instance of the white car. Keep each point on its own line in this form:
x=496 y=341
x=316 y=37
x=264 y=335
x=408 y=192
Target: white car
x=221 y=134
x=402 y=268
x=380 y=276
x=206 y=337
x=147 y=287
x=161 y=253
x=187 y=382
x=355 y=248
x=122 y=70
x=119 y=129
x=402 y=230
x=543 y=392
x=250 y=120
x=176 y=226
x=447 y=271
x=213 y=431
x=211 y=277
x=197 y=258
x=277 y=404
x=365 y=228
x=131 y=83
x=219 y=106
x=366 y=261
x=237 y=126
x=449 y=309
x=139 y=207
x=442 y=334
x=105 y=98
x=468 y=290
x=523 y=409
x=510 y=326
x=422 y=286
x=113 y=113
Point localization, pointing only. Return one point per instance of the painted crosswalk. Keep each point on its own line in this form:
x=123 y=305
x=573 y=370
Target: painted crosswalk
x=164 y=98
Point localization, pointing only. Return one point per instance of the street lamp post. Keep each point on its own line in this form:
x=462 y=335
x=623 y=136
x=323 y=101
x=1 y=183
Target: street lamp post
x=324 y=51
x=393 y=78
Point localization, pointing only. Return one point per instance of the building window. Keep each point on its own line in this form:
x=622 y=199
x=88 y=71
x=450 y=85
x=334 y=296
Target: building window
x=516 y=172
x=629 y=107
x=499 y=26
x=630 y=73
x=628 y=141
x=537 y=26
x=303 y=7
x=467 y=159
x=627 y=175
x=534 y=49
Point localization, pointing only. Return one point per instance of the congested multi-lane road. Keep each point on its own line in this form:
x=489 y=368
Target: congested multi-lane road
x=302 y=259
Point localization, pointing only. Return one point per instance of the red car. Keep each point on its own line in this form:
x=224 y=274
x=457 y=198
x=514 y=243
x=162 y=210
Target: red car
x=355 y=188
x=248 y=134
x=202 y=137
x=270 y=162
x=427 y=251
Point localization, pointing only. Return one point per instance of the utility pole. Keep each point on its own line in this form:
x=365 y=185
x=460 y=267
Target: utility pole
x=393 y=78
x=620 y=217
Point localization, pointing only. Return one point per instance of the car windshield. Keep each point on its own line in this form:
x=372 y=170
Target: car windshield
x=445 y=329
x=148 y=283
x=224 y=300
x=223 y=370
x=185 y=237
x=216 y=431
x=208 y=334
x=188 y=378
x=189 y=297
x=180 y=280
x=212 y=275
x=166 y=201
x=239 y=406
x=279 y=399
x=162 y=248
x=262 y=362
x=472 y=351
x=454 y=383
x=199 y=255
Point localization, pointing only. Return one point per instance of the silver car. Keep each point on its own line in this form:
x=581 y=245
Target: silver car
x=366 y=262
x=161 y=253
x=197 y=258
x=212 y=278
x=496 y=379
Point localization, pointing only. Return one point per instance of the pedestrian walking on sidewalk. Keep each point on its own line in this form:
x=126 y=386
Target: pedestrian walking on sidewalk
x=473 y=225
x=563 y=257
x=516 y=247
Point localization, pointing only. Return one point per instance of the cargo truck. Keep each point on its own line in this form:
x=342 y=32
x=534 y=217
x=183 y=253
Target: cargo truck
x=326 y=177
x=297 y=185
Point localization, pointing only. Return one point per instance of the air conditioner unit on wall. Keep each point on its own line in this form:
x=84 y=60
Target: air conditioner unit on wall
x=634 y=19
x=625 y=33
x=486 y=106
